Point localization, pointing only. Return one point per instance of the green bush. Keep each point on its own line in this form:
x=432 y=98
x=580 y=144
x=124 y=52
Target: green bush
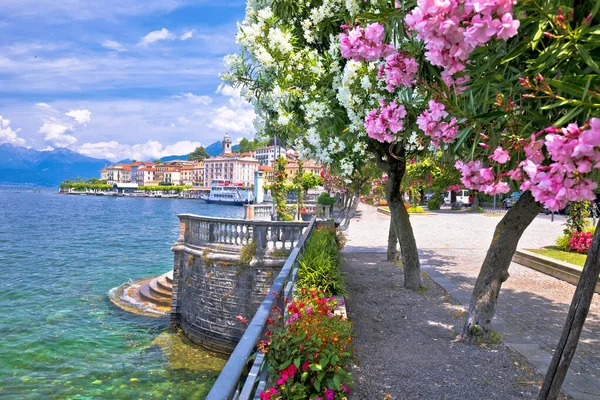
x=434 y=202
x=562 y=242
x=326 y=199
x=319 y=265
x=248 y=252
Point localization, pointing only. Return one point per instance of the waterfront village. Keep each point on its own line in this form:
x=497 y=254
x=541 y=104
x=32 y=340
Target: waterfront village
x=189 y=178
x=451 y=252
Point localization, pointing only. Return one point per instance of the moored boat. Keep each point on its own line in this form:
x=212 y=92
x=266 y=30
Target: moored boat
x=225 y=192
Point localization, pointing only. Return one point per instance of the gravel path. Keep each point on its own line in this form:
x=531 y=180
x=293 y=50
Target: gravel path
x=405 y=342
x=532 y=306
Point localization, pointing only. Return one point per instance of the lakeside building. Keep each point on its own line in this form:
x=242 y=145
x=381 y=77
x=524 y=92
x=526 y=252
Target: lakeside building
x=268 y=173
x=198 y=173
x=146 y=176
x=232 y=167
x=118 y=173
x=173 y=176
x=268 y=155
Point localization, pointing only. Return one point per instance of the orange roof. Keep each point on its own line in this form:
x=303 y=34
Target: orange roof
x=146 y=169
x=188 y=167
x=265 y=168
x=174 y=169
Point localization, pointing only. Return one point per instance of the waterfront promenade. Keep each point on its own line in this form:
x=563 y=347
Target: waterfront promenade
x=531 y=312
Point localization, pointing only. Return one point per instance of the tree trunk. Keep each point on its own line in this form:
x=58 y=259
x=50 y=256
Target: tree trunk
x=475 y=205
x=494 y=270
x=392 y=250
x=580 y=305
x=401 y=221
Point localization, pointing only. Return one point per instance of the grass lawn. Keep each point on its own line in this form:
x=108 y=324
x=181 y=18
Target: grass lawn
x=553 y=252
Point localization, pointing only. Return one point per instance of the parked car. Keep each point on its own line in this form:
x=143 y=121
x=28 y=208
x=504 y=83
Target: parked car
x=511 y=199
x=463 y=197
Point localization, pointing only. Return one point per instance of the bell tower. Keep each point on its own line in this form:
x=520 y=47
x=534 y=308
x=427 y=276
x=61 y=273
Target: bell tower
x=226 y=144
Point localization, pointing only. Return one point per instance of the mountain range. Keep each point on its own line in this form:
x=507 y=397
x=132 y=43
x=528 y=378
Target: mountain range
x=23 y=166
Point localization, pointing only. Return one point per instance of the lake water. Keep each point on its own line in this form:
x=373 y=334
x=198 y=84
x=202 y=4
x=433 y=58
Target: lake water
x=60 y=336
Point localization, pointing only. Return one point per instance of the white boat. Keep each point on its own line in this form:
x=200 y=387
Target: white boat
x=225 y=192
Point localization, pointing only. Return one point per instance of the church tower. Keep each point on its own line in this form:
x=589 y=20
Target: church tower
x=226 y=144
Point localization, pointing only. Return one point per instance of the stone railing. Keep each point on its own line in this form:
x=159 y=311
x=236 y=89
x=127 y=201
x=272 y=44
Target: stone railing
x=258 y=211
x=199 y=231
x=264 y=211
x=232 y=383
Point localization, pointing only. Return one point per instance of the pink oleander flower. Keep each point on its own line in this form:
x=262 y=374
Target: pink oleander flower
x=500 y=155
x=430 y=122
x=365 y=44
x=399 y=70
x=452 y=29
x=382 y=123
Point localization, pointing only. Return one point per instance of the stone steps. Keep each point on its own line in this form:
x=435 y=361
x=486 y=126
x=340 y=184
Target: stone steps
x=163 y=283
x=158 y=291
x=147 y=295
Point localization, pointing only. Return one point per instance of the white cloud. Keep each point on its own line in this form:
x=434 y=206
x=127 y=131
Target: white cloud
x=57 y=134
x=42 y=105
x=155 y=36
x=82 y=117
x=238 y=117
x=192 y=98
x=151 y=150
x=186 y=35
x=112 y=45
x=8 y=135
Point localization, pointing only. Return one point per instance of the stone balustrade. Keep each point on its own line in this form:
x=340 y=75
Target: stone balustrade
x=198 y=231
x=213 y=283
x=264 y=211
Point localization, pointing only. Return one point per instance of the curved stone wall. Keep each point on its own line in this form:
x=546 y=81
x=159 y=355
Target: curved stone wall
x=211 y=287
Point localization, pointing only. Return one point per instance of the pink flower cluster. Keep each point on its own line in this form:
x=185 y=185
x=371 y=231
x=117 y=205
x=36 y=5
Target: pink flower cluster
x=452 y=29
x=476 y=177
x=575 y=151
x=399 y=69
x=453 y=188
x=382 y=124
x=365 y=44
x=580 y=242
x=430 y=122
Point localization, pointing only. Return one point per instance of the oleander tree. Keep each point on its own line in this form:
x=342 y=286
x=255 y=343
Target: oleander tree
x=342 y=98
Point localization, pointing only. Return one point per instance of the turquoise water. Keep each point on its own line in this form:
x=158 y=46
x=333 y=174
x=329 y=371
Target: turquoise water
x=60 y=336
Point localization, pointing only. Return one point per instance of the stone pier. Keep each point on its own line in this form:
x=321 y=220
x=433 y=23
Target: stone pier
x=223 y=268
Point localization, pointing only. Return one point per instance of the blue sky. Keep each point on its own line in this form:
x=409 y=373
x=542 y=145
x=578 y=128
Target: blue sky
x=118 y=78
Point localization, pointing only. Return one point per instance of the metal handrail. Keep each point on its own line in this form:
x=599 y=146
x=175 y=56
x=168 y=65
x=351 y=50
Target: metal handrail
x=228 y=385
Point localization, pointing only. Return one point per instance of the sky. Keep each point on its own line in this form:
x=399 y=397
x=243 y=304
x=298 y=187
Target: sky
x=119 y=79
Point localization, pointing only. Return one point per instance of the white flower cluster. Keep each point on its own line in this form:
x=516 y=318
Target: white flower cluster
x=315 y=111
x=317 y=15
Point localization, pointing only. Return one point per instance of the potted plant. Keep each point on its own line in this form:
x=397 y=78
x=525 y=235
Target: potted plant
x=306 y=214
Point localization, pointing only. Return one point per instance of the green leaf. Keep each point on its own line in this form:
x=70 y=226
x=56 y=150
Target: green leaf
x=297 y=362
x=569 y=116
x=587 y=58
x=324 y=361
x=514 y=53
x=315 y=367
x=336 y=382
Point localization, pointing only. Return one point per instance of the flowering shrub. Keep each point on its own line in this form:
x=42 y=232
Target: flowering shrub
x=430 y=122
x=364 y=44
x=306 y=354
x=382 y=123
x=451 y=30
x=399 y=70
x=580 y=242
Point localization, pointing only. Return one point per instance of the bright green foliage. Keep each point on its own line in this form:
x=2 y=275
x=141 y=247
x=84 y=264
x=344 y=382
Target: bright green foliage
x=248 y=252
x=434 y=202
x=319 y=265
x=415 y=210
x=279 y=190
x=325 y=199
x=80 y=186
x=561 y=255
x=198 y=154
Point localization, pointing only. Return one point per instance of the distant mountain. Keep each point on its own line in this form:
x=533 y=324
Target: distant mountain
x=23 y=166
x=19 y=165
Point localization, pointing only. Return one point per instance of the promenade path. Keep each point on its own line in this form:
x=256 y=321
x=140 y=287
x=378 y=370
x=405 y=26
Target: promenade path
x=532 y=307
